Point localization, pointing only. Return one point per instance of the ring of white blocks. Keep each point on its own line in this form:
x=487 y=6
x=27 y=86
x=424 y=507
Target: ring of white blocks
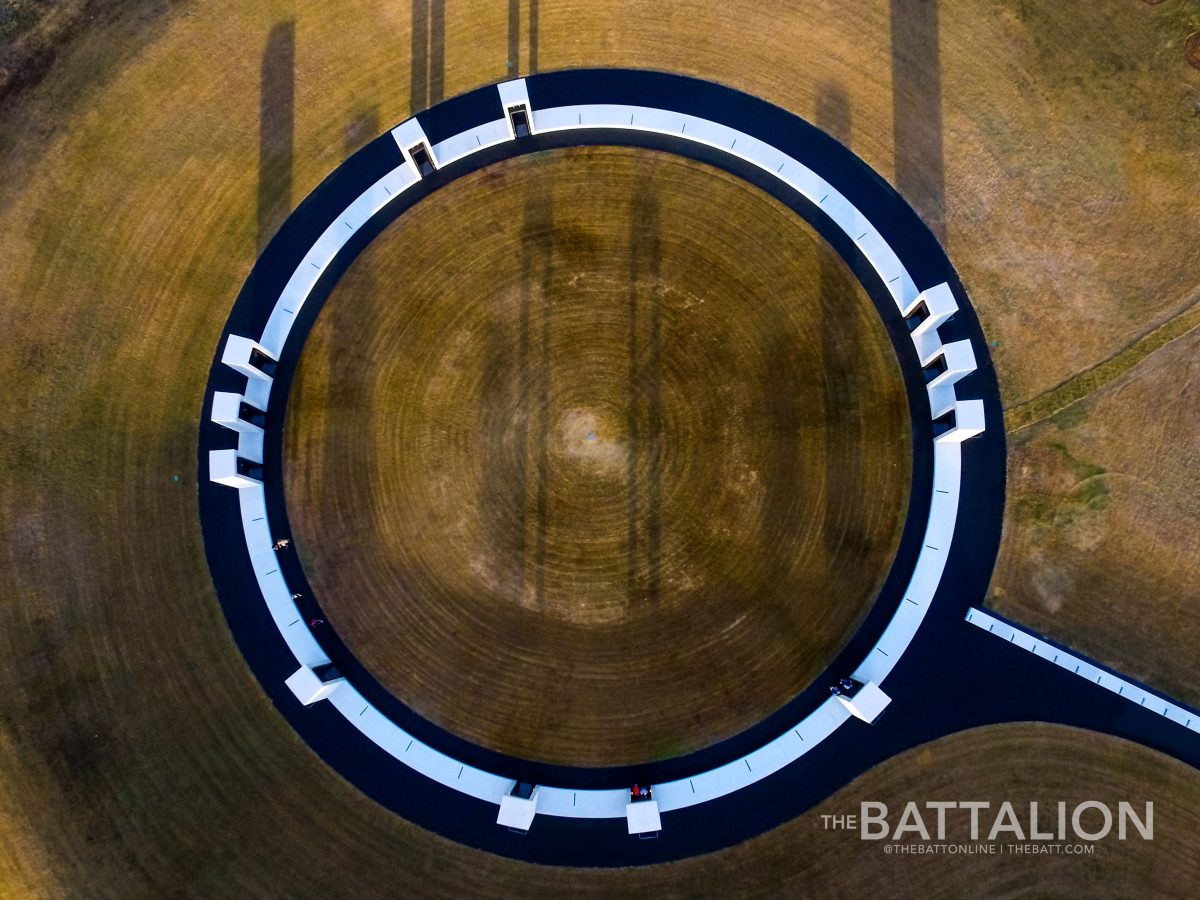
x=939 y=304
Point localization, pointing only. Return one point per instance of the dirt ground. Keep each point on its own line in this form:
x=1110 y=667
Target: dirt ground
x=607 y=469
x=1053 y=144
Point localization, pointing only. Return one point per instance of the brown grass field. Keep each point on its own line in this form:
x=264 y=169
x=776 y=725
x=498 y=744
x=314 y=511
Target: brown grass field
x=1053 y=144
x=614 y=481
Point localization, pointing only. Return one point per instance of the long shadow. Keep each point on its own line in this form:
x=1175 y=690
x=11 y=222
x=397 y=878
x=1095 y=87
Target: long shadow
x=428 y=54
x=418 y=81
x=833 y=112
x=514 y=37
x=349 y=389
x=539 y=250
x=276 y=122
x=788 y=413
x=792 y=405
x=840 y=332
x=346 y=388
x=644 y=462
x=503 y=426
x=513 y=408
x=361 y=129
x=533 y=37
x=917 y=110
x=437 y=51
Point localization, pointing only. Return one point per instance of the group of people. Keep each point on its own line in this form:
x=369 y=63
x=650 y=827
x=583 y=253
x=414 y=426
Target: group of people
x=844 y=686
x=640 y=792
x=283 y=544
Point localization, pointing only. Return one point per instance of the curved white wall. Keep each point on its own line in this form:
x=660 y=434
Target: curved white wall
x=796 y=740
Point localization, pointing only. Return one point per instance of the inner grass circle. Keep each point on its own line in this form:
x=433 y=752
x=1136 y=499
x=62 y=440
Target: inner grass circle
x=597 y=456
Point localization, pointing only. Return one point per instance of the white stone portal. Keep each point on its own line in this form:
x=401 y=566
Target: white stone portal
x=227 y=411
x=227 y=468
x=515 y=96
x=959 y=360
x=968 y=422
x=247 y=357
x=939 y=304
x=410 y=137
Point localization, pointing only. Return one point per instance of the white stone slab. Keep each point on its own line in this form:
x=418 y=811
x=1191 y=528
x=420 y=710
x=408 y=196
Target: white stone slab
x=222 y=468
x=786 y=748
x=642 y=817
x=308 y=688
x=237 y=353
x=480 y=138
x=868 y=703
x=968 y=422
x=517 y=812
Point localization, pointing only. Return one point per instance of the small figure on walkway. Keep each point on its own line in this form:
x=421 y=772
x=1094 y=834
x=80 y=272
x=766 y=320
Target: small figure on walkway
x=297 y=596
x=282 y=543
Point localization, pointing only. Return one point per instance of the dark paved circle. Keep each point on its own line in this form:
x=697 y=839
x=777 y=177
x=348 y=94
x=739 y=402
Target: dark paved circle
x=597 y=457
x=949 y=679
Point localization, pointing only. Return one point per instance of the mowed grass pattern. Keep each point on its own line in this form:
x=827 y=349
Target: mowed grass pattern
x=140 y=757
x=597 y=456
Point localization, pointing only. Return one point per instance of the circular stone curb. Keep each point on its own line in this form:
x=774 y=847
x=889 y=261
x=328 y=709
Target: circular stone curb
x=899 y=263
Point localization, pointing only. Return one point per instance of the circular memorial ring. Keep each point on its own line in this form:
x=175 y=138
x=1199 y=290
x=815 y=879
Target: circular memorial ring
x=742 y=785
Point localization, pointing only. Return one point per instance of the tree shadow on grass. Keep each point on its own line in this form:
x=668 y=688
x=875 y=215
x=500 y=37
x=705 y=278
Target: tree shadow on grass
x=917 y=110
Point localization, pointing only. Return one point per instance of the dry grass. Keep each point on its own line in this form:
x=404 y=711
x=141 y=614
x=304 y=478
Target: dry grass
x=140 y=757
x=1070 y=217
x=1102 y=547
x=1089 y=381
x=598 y=456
